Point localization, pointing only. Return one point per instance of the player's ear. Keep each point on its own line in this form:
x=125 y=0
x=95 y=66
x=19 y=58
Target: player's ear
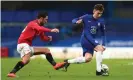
x=94 y=10
x=46 y=17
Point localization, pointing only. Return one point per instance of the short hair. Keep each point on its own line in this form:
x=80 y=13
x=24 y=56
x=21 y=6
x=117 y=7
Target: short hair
x=99 y=7
x=42 y=14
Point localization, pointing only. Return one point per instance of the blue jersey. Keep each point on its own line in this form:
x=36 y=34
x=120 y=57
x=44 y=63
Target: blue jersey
x=91 y=28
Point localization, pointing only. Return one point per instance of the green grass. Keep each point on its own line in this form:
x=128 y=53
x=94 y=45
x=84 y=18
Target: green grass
x=40 y=69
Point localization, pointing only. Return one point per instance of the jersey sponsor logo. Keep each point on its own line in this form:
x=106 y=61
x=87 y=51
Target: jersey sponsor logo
x=93 y=29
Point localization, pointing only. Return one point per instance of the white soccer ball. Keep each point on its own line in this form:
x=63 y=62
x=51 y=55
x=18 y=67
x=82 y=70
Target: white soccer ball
x=105 y=67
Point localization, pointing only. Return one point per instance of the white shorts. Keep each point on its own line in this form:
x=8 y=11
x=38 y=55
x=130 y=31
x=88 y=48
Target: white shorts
x=24 y=49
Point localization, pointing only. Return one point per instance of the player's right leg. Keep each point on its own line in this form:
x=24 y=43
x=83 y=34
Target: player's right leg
x=83 y=59
x=87 y=55
x=25 y=52
x=49 y=57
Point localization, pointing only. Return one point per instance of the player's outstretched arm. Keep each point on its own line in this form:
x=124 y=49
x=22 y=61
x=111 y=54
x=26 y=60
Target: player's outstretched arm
x=55 y=30
x=38 y=28
x=79 y=20
x=75 y=20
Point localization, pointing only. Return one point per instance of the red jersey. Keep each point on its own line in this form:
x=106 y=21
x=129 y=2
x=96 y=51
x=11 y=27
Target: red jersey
x=32 y=30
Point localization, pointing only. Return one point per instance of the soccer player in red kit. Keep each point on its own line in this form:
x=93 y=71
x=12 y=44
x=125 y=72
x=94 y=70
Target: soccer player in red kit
x=34 y=28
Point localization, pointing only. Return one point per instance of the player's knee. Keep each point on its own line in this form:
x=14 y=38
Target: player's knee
x=100 y=50
x=88 y=59
x=25 y=61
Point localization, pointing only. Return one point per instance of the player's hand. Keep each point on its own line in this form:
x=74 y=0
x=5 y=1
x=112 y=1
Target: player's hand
x=50 y=38
x=99 y=48
x=79 y=21
x=55 y=30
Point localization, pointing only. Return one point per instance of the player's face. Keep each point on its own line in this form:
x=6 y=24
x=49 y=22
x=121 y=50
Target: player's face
x=44 y=20
x=97 y=13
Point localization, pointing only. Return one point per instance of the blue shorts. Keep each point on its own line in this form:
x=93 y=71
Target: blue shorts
x=87 y=46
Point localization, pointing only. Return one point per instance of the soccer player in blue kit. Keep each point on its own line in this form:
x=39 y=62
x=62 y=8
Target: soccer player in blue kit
x=91 y=24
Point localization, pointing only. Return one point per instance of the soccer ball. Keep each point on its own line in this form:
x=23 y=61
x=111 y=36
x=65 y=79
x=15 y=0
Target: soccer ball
x=105 y=68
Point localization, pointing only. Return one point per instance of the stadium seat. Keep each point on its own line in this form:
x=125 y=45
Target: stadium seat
x=7 y=16
x=54 y=16
x=22 y=16
x=68 y=16
x=11 y=31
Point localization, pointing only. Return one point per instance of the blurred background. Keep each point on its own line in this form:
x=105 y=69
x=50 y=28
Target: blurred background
x=118 y=16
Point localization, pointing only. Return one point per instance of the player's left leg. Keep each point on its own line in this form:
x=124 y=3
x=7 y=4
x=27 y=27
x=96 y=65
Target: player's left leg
x=99 y=59
x=49 y=57
x=25 y=60
x=25 y=52
x=98 y=62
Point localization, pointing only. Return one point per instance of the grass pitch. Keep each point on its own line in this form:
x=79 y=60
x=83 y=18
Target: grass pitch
x=40 y=69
